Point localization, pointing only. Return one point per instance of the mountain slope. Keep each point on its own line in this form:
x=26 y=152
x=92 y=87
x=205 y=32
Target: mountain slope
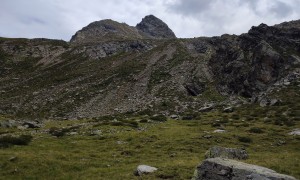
x=110 y=68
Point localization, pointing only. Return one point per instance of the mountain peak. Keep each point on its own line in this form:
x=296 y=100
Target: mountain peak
x=155 y=28
x=105 y=30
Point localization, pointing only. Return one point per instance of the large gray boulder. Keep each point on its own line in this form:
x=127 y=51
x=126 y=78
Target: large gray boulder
x=228 y=169
x=295 y=132
x=229 y=153
x=144 y=169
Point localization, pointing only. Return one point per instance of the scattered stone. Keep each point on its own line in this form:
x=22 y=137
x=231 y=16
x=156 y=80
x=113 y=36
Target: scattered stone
x=121 y=142
x=219 y=131
x=295 y=132
x=280 y=142
x=30 y=124
x=228 y=110
x=206 y=108
x=264 y=102
x=286 y=82
x=269 y=102
x=174 y=116
x=208 y=136
x=95 y=132
x=144 y=169
x=13 y=159
x=230 y=153
x=228 y=169
x=73 y=133
x=274 y=102
x=173 y=155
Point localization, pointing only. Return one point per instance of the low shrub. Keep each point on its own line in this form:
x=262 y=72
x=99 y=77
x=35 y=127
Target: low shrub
x=143 y=120
x=215 y=124
x=256 y=130
x=235 y=116
x=117 y=123
x=224 y=121
x=244 y=139
x=160 y=118
x=6 y=141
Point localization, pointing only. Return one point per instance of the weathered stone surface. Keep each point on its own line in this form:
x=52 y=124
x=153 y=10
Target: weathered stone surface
x=228 y=169
x=144 y=169
x=219 y=131
x=295 y=132
x=228 y=109
x=206 y=108
x=230 y=153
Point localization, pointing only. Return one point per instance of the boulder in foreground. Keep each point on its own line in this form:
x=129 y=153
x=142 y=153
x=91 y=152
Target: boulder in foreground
x=228 y=169
x=144 y=169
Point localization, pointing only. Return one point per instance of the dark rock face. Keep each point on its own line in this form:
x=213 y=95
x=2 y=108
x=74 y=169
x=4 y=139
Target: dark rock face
x=155 y=28
x=227 y=169
x=249 y=63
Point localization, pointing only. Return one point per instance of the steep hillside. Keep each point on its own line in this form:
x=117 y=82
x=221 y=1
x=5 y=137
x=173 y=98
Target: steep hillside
x=112 y=68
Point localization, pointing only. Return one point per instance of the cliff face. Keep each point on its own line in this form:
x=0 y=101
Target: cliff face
x=109 y=67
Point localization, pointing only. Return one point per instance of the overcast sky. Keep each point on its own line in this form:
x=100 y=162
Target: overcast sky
x=60 y=19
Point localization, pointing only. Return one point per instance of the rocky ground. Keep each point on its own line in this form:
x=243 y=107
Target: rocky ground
x=113 y=147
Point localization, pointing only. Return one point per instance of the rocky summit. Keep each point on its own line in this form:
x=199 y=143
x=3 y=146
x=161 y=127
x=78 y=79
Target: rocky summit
x=153 y=27
x=108 y=30
x=112 y=68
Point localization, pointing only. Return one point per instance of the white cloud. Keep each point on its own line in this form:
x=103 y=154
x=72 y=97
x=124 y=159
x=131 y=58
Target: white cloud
x=60 y=19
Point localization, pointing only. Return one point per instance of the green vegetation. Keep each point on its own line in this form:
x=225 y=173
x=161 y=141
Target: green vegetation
x=6 y=141
x=160 y=118
x=256 y=130
x=212 y=94
x=245 y=139
x=123 y=142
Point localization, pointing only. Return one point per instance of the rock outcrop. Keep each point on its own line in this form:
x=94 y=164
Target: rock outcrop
x=227 y=169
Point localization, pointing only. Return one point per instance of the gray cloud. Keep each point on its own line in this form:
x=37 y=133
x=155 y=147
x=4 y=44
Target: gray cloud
x=281 y=9
x=60 y=19
x=190 y=7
